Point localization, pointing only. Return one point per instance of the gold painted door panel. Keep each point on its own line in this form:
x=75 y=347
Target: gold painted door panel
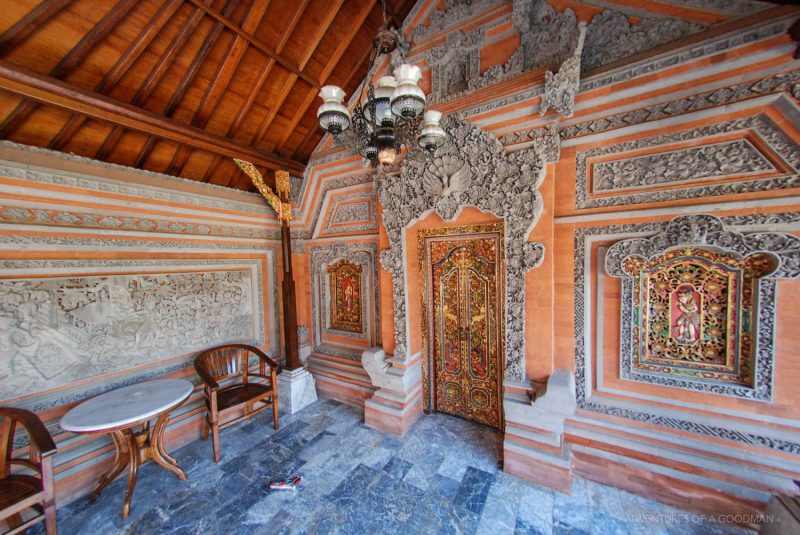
x=464 y=313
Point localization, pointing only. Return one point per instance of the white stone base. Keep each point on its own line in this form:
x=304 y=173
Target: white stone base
x=296 y=390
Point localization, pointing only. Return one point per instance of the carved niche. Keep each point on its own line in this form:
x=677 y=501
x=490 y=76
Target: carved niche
x=333 y=313
x=470 y=170
x=344 y=289
x=455 y=63
x=698 y=305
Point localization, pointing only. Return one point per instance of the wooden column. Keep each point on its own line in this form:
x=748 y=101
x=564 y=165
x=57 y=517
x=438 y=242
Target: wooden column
x=287 y=284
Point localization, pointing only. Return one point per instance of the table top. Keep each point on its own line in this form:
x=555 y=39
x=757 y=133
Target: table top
x=126 y=406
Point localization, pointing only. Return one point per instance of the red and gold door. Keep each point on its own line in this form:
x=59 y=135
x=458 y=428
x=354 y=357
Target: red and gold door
x=464 y=295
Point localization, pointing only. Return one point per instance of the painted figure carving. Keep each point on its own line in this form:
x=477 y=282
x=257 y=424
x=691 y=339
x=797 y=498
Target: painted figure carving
x=345 y=297
x=686 y=314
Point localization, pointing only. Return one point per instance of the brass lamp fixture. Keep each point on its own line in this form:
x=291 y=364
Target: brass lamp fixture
x=391 y=116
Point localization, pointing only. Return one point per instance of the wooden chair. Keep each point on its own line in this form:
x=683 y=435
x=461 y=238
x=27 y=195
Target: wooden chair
x=225 y=370
x=20 y=492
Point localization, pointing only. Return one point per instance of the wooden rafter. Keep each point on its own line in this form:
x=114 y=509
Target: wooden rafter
x=253 y=40
x=69 y=62
x=222 y=78
x=187 y=79
x=55 y=92
x=153 y=77
x=28 y=24
x=358 y=22
x=255 y=89
x=121 y=67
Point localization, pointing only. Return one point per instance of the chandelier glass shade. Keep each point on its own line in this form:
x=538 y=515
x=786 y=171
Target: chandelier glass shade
x=391 y=112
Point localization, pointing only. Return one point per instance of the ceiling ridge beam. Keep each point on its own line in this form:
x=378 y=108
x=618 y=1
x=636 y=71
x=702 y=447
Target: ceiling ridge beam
x=257 y=43
x=58 y=93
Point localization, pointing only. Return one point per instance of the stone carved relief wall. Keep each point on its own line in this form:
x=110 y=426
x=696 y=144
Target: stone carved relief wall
x=353 y=212
x=56 y=330
x=547 y=39
x=363 y=255
x=584 y=350
x=698 y=305
x=737 y=159
x=470 y=170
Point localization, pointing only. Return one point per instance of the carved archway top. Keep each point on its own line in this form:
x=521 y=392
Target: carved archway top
x=471 y=169
x=708 y=230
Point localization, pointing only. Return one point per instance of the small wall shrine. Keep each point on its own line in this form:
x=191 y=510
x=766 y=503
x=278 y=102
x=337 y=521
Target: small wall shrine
x=698 y=305
x=345 y=296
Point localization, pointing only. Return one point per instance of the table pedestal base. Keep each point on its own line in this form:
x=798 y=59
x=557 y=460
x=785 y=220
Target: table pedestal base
x=132 y=449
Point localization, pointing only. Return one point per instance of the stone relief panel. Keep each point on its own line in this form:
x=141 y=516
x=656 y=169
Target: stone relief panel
x=703 y=230
x=738 y=161
x=547 y=39
x=359 y=257
x=344 y=289
x=353 y=212
x=57 y=330
x=470 y=170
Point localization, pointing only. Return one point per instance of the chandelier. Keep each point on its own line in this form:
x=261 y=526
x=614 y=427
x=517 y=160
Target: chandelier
x=390 y=117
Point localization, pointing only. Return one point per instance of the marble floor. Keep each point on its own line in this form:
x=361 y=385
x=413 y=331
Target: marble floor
x=442 y=477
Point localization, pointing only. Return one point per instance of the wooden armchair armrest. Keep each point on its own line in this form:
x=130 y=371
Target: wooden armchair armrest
x=207 y=379
x=40 y=436
x=266 y=360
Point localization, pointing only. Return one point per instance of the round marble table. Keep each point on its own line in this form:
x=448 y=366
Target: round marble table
x=118 y=412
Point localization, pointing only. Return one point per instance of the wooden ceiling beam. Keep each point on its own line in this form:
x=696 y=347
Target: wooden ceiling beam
x=222 y=78
x=329 y=66
x=28 y=24
x=57 y=93
x=187 y=80
x=256 y=87
x=69 y=62
x=253 y=40
x=119 y=69
x=153 y=77
x=355 y=71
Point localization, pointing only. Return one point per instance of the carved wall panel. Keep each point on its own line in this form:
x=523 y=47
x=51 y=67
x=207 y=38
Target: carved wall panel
x=698 y=305
x=351 y=212
x=470 y=170
x=57 y=330
x=355 y=257
x=708 y=232
x=699 y=168
x=344 y=287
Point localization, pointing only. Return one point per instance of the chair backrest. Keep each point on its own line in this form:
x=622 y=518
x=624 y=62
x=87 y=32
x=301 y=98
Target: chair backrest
x=40 y=442
x=225 y=362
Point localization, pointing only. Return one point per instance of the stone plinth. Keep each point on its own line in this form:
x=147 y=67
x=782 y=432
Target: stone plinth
x=296 y=390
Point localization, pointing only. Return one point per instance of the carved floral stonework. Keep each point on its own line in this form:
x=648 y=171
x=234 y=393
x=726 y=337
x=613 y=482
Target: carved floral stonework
x=694 y=310
x=363 y=256
x=54 y=331
x=560 y=88
x=684 y=230
x=470 y=170
x=736 y=160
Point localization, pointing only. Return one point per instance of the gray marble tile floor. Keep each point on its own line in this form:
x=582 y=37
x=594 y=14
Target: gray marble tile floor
x=442 y=477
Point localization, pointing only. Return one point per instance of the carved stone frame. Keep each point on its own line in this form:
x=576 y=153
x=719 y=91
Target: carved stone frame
x=504 y=185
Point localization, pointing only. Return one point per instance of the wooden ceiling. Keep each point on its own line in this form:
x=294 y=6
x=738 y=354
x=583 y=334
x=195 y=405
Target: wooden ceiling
x=181 y=86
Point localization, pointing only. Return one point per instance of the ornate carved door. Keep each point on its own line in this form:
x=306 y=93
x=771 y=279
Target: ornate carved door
x=464 y=296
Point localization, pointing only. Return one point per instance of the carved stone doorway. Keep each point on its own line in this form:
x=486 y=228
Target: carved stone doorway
x=463 y=321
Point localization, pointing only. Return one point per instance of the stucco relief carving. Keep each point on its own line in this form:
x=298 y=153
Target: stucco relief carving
x=707 y=233
x=689 y=164
x=351 y=212
x=455 y=63
x=727 y=158
x=583 y=352
x=361 y=254
x=504 y=185
x=58 y=330
x=454 y=12
x=560 y=88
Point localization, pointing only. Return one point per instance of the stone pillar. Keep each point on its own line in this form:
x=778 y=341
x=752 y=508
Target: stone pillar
x=398 y=402
x=296 y=390
x=533 y=446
